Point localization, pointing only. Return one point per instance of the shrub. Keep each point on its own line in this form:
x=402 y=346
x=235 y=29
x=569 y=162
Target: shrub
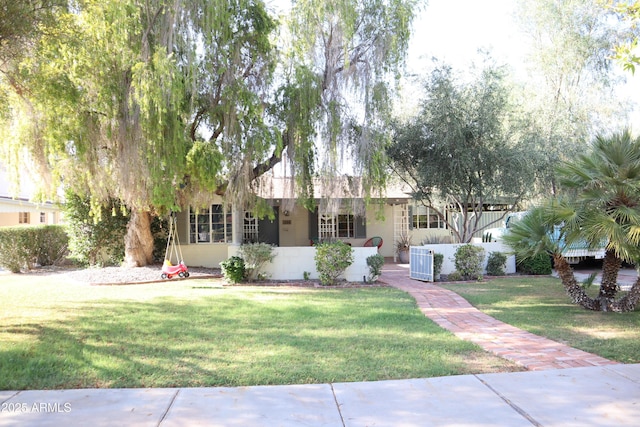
x=52 y=244
x=375 y=263
x=468 y=261
x=95 y=237
x=160 y=231
x=436 y=240
x=538 y=265
x=15 y=253
x=21 y=247
x=233 y=269
x=438 y=260
x=454 y=276
x=496 y=264
x=332 y=259
x=255 y=255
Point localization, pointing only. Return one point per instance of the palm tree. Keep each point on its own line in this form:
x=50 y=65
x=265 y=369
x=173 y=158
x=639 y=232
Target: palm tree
x=602 y=208
x=539 y=232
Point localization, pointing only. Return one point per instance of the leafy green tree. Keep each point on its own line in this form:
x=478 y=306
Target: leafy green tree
x=161 y=103
x=466 y=148
x=602 y=207
x=21 y=24
x=626 y=47
x=570 y=93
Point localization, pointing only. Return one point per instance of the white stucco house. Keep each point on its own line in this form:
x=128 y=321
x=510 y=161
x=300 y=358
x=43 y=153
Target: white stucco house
x=16 y=208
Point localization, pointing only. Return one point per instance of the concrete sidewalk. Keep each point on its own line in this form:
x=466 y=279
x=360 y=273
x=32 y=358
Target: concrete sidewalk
x=597 y=396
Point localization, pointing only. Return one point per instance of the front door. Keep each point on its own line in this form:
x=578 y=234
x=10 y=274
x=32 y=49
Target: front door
x=269 y=230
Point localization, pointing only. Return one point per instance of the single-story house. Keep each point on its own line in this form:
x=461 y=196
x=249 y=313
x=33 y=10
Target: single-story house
x=17 y=209
x=21 y=211
x=207 y=235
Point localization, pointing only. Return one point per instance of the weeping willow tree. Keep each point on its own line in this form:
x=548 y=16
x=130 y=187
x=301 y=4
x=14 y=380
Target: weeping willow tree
x=348 y=52
x=161 y=103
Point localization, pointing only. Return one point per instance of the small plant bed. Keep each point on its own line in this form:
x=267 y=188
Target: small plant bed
x=541 y=306
x=311 y=283
x=132 y=276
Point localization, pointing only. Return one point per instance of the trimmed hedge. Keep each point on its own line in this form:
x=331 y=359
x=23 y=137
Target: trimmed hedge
x=24 y=246
x=538 y=265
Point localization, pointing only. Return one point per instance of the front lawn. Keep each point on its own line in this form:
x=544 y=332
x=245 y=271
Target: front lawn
x=541 y=306
x=58 y=335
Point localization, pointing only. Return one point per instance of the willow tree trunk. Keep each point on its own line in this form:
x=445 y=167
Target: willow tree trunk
x=138 y=242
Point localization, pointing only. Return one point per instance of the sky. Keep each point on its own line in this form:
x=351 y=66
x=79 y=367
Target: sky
x=453 y=31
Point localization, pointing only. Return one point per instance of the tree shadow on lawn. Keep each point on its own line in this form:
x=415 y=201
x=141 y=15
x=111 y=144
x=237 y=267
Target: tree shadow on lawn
x=229 y=342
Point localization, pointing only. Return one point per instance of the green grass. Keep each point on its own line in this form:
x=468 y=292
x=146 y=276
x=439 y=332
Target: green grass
x=60 y=335
x=541 y=306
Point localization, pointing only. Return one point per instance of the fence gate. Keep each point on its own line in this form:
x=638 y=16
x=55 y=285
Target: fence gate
x=421 y=263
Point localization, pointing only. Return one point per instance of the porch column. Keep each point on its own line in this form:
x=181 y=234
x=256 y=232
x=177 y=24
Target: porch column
x=238 y=225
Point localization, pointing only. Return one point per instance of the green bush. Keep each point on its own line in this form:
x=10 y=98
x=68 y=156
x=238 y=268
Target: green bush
x=438 y=260
x=95 y=238
x=538 y=265
x=52 y=244
x=160 y=231
x=496 y=264
x=454 y=276
x=15 y=253
x=233 y=269
x=332 y=259
x=375 y=263
x=469 y=260
x=22 y=247
x=255 y=255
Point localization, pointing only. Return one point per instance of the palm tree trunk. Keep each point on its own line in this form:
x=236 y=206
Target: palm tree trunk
x=609 y=283
x=629 y=301
x=575 y=291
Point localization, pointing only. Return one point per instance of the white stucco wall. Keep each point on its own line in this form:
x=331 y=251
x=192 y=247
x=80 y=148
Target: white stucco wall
x=290 y=263
x=449 y=250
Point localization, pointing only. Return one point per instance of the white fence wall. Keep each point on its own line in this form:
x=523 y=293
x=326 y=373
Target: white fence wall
x=449 y=250
x=491 y=219
x=290 y=263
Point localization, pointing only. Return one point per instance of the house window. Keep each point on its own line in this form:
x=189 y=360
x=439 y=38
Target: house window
x=342 y=226
x=23 y=217
x=211 y=225
x=345 y=226
x=250 y=228
x=43 y=218
x=327 y=226
x=424 y=217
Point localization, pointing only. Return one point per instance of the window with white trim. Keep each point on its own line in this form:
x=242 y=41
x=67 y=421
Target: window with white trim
x=424 y=218
x=213 y=225
x=326 y=226
x=342 y=226
x=250 y=228
x=43 y=217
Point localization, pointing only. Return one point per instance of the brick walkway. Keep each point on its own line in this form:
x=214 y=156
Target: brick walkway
x=452 y=312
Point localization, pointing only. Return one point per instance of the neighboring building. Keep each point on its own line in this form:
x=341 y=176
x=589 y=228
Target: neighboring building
x=18 y=210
